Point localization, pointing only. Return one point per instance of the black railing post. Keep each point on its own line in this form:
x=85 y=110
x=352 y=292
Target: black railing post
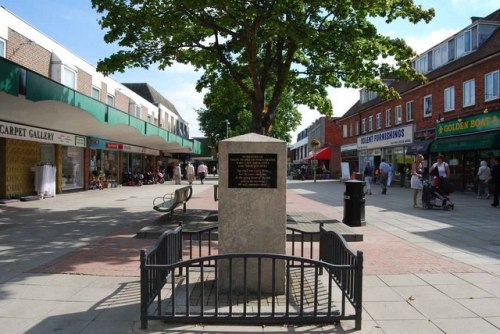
x=144 y=291
x=359 y=289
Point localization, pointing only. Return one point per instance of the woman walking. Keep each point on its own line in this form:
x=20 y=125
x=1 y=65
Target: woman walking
x=417 y=171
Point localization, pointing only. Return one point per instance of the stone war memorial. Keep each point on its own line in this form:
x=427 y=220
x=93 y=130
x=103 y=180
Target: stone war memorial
x=252 y=209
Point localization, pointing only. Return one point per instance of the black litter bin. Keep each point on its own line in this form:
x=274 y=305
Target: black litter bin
x=354 y=203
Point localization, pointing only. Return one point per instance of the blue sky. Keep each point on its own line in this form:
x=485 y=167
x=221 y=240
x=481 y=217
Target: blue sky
x=73 y=24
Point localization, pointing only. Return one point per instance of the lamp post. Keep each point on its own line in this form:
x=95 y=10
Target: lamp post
x=227 y=128
x=315 y=143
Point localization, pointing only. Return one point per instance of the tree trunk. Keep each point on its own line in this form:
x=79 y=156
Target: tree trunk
x=257 y=117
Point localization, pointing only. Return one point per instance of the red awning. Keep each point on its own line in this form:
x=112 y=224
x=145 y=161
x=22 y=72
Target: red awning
x=324 y=153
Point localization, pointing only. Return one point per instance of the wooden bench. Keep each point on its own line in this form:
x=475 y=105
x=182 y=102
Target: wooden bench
x=171 y=201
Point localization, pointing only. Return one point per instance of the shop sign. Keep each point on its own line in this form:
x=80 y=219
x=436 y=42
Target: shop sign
x=23 y=132
x=468 y=125
x=391 y=137
x=348 y=147
x=97 y=143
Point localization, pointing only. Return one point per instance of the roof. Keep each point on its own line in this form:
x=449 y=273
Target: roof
x=489 y=47
x=151 y=94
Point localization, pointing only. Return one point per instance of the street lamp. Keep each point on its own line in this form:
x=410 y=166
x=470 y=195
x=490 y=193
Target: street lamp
x=227 y=128
x=315 y=143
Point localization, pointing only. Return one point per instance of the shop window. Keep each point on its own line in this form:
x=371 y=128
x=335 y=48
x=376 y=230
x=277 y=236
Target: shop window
x=398 y=115
x=428 y=106
x=2 y=48
x=388 y=118
x=409 y=111
x=469 y=93
x=379 y=120
x=449 y=99
x=72 y=168
x=491 y=91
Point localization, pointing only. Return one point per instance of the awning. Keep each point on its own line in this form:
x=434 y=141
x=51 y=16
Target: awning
x=419 y=147
x=324 y=153
x=478 y=141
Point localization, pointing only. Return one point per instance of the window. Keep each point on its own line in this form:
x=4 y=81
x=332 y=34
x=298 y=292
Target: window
x=96 y=93
x=463 y=43
x=409 y=111
x=363 y=125
x=421 y=64
x=428 y=106
x=379 y=120
x=110 y=100
x=2 y=48
x=356 y=130
x=440 y=55
x=449 y=99
x=388 y=118
x=491 y=90
x=370 y=123
x=397 y=115
x=68 y=77
x=344 y=130
x=136 y=110
x=350 y=130
x=469 y=93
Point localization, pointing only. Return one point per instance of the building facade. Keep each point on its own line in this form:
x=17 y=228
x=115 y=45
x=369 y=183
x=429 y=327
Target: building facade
x=57 y=110
x=456 y=113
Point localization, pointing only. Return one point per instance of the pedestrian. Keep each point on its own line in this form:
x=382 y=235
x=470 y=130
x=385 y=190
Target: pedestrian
x=214 y=170
x=483 y=175
x=190 y=173
x=177 y=173
x=495 y=178
x=368 y=175
x=202 y=171
x=389 y=176
x=417 y=171
x=441 y=170
x=402 y=175
x=384 y=170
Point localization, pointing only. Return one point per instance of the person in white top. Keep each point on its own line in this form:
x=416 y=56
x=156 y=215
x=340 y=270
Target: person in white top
x=202 y=171
x=442 y=168
x=190 y=172
x=177 y=173
x=483 y=174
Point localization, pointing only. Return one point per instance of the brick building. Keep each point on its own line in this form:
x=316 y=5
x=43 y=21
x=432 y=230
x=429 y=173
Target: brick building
x=56 y=110
x=327 y=132
x=456 y=113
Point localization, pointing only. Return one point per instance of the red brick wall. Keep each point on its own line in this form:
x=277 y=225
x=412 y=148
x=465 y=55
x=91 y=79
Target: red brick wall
x=436 y=89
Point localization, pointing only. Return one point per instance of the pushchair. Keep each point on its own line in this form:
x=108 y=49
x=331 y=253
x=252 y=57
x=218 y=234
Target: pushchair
x=436 y=194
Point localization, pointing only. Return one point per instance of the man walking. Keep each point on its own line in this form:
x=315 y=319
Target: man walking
x=202 y=171
x=384 y=174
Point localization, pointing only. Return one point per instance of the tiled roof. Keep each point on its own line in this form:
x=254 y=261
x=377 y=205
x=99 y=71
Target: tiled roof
x=152 y=95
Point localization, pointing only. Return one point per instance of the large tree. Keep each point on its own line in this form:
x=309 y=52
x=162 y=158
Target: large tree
x=266 y=45
x=228 y=112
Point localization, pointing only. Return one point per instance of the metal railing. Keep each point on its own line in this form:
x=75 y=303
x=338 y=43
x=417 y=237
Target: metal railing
x=314 y=291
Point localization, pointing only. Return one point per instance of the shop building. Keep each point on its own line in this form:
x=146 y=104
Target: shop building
x=54 y=106
x=463 y=84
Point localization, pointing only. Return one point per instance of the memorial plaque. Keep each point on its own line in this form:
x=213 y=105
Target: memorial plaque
x=253 y=170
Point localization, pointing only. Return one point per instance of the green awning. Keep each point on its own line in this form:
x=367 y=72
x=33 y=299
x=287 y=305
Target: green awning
x=478 y=141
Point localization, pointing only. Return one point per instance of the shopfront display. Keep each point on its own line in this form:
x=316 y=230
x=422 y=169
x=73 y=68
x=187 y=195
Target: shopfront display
x=72 y=168
x=465 y=143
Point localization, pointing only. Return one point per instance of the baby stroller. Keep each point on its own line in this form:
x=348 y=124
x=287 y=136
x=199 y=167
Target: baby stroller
x=435 y=196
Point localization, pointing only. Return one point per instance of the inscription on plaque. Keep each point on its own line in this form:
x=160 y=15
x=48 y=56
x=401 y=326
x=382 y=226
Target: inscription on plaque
x=253 y=170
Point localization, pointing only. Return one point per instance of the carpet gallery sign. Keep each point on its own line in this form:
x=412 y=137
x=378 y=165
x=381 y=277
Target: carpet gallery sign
x=392 y=137
x=23 y=132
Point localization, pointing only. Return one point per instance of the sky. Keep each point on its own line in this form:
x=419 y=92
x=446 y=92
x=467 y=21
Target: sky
x=74 y=25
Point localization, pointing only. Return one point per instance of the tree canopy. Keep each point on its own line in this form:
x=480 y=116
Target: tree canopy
x=228 y=113
x=266 y=47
